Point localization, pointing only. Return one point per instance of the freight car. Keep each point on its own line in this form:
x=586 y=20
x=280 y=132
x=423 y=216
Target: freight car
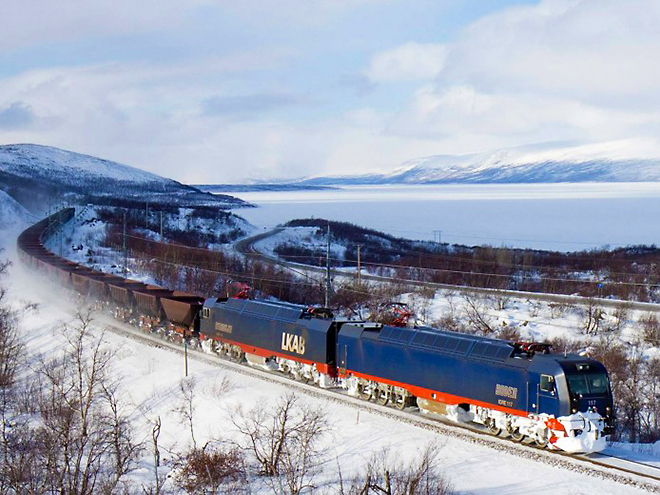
x=170 y=312
x=556 y=400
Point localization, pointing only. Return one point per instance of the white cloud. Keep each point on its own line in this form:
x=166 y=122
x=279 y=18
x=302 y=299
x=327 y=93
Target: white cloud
x=409 y=62
x=554 y=71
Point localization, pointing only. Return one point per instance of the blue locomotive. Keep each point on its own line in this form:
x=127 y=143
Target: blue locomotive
x=563 y=401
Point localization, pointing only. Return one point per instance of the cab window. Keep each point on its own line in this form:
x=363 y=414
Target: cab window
x=588 y=383
x=547 y=383
x=206 y=312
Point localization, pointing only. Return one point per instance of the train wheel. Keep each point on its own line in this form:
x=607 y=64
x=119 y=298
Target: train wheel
x=236 y=355
x=542 y=440
x=517 y=435
x=364 y=391
x=400 y=402
x=492 y=427
x=382 y=397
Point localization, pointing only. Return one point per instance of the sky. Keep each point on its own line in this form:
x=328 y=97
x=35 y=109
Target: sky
x=220 y=91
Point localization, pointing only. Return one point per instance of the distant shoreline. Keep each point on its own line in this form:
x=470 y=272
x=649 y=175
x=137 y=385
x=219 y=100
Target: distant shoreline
x=217 y=188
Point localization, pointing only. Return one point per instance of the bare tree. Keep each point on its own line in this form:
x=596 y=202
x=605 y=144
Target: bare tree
x=159 y=480
x=477 y=314
x=594 y=316
x=81 y=442
x=385 y=474
x=650 y=329
x=284 y=441
x=186 y=407
x=11 y=346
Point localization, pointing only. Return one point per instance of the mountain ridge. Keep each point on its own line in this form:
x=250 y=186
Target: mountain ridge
x=630 y=161
x=35 y=175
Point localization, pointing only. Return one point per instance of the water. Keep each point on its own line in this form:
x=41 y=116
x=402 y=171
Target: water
x=565 y=217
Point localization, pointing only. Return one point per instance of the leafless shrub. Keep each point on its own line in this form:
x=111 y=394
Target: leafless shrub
x=420 y=303
x=534 y=308
x=11 y=346
x=557 y=310
x=507 y=332
x=221 y=387
x=650 y=326
x=284 y=442
x=212 y=470
x=476 y=311
x=385 y=474
x=449 y=321
x=593 y=317
x=566 y=345
x=500 y=300
x=621 y=316
x=79 y=440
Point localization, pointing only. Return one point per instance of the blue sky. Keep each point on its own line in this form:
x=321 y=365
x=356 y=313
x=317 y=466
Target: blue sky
x=222 y=91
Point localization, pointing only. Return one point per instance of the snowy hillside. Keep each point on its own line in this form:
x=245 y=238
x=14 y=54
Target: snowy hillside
x=35 y=161
x=11 y=213
x=36 y=175
x=629 y=161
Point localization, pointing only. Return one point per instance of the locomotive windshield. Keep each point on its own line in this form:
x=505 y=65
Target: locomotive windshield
x=588 y=384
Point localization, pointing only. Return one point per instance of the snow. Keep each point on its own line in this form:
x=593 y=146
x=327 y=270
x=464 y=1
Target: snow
x=29 y=160
x=303 y=236
x=151 y=378
x=632 y=160
x=12 y=214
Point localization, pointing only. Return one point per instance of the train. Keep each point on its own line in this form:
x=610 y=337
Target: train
x=556 y=400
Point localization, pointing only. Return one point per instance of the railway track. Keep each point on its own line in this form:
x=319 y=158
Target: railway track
x=247 y=247
x=603 y=466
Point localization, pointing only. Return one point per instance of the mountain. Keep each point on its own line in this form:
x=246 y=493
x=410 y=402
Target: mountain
x=36 y=175
x=603 y=162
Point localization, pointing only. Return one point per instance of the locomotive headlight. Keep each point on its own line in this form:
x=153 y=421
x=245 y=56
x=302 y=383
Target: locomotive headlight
x=574 y=410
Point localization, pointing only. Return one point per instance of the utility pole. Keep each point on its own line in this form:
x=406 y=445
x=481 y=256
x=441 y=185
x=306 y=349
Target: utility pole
x=61 y=230
x=327 y=274
x=437 y=234
x=161 y=225
x=124 y=270
x=185 y=352
x=359 y=272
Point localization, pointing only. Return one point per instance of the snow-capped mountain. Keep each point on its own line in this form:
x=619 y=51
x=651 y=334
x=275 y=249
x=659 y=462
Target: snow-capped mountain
x=629 y=161
x=35 y=175
x=67 y=167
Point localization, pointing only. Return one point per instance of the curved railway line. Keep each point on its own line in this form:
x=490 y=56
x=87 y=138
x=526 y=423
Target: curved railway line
x=34 y=255
x=247 y=247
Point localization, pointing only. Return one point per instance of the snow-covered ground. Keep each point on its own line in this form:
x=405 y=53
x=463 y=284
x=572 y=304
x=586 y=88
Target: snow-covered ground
x=150 y=378
x=31 y=160
x=12 y=214
x=82 y=239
